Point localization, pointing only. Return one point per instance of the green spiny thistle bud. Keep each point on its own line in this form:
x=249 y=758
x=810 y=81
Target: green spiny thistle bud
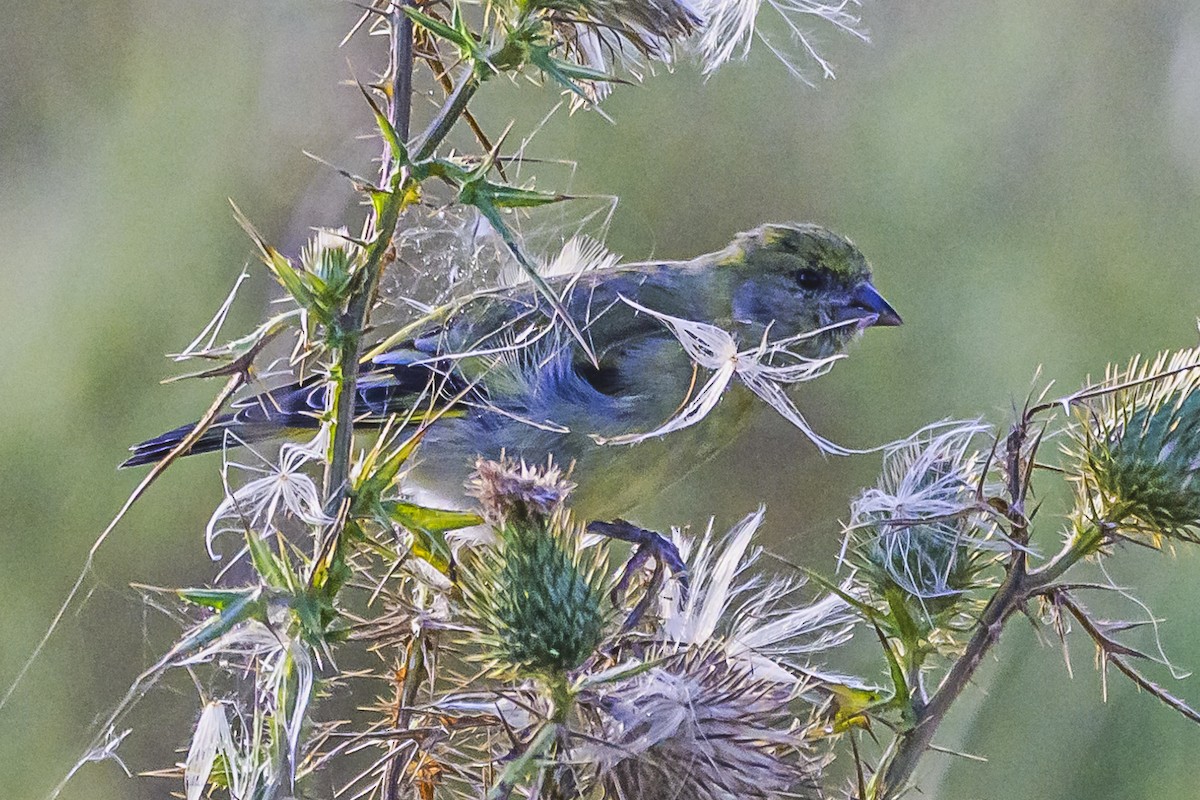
x=1138 y=449
x=536 y=600
x=329 y=257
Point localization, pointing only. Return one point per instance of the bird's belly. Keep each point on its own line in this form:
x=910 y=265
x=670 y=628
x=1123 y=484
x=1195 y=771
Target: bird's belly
x=612 y=479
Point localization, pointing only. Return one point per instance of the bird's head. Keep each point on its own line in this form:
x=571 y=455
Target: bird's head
x=799 y=277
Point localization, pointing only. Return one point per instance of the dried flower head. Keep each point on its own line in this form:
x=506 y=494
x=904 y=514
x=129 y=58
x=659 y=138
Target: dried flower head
x=1137 y=449
x=611 y=36
x=702 y=727
x=651 y=28
x=510 y=489
x=919 y=529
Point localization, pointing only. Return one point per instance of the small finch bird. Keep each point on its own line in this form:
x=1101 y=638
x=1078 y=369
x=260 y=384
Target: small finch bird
x=509 y=377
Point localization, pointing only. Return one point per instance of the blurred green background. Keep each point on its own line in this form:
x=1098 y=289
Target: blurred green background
x=1025 y=177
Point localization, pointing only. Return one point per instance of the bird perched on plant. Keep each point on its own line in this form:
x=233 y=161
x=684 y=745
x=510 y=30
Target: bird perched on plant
x=508 y=377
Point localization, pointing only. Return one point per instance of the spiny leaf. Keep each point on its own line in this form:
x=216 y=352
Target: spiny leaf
x=218 y=599
x=386 y=129
x=250 y=606
x=503 y=196
x=901 y=695
x=433 y=550
x=434 y=520
x=375 y=484
x=443 y=169
x=571 y=70
x=566 y=74
x=273 y=570
x=457 y=34
x=277 y=263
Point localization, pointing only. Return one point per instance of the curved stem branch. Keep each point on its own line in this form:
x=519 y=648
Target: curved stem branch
x=1117 y=654
x=906 y=750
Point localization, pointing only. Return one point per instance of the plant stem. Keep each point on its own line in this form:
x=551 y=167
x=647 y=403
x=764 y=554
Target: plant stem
x=562 y=700
x=906 y=750
x=400 y=67
x=900 y=760
x=414 y=669
x=354 y=321
x=456 y=104
x=1019 y=585
x=520 y=766
x=1076 y=549
x=1113 y=652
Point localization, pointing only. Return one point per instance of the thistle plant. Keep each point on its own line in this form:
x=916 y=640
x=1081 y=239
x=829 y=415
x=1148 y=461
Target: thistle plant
x=582 y=694
x=946 y=552
x=498 y=650
x=920 y=542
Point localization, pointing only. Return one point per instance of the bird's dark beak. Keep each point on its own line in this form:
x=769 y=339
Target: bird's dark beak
x=866 y=302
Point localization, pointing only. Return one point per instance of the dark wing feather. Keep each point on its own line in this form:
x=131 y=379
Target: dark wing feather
x=399 y=382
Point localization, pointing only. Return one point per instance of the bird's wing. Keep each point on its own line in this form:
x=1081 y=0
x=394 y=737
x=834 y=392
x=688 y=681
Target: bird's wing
x=403 y=381
x=504 y=352
x=594 y=300
x=498 y=351
x=511 y=343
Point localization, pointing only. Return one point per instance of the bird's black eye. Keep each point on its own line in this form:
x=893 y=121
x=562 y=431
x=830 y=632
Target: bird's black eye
x=809 y=279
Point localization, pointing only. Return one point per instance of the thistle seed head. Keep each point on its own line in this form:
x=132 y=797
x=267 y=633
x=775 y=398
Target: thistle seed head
x=702 y=727
x=918 y=528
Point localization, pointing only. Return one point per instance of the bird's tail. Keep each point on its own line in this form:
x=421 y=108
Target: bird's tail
x=216 y=437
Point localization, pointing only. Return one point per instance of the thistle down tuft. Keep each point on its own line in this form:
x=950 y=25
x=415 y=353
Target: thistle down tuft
x=918 y=529
x=756 y=620
x=282 y=489
x=732 y=25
